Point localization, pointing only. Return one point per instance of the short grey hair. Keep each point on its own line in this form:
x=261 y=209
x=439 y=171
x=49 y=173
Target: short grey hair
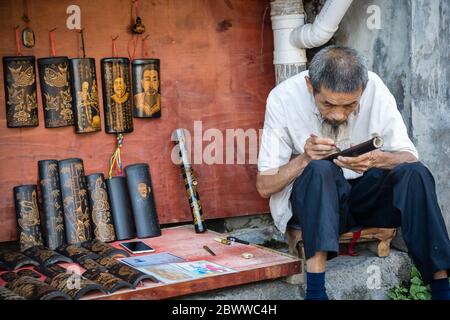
x=339 y=69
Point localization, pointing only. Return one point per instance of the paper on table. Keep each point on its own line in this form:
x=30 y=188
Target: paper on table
x=185 y=271
x=152 y=259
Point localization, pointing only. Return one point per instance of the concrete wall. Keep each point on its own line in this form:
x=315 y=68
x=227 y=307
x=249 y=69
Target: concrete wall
x=411 y=53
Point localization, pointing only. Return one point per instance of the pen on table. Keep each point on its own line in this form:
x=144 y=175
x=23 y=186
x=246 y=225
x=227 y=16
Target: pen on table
x=234 y=239
x=209 y=250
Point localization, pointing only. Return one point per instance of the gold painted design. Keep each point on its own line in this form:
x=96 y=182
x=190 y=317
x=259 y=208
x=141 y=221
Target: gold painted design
x=107 y=262
x=74 y=250
x=11 y=256
x=105 y=279
x=90 y=264
x=103 y=249
x=55 y=222
x=88 y=112
x=118 y=111
x=28 y=241
x=120 y=270
x=120 y=91
x=101 y=215
x=124 y=271
x=22 y=104
x=6 y=294
x=29 y=213
x=87 y=102
x=43 y=255
x=148 y=102
x=29 y=221
x=60 y=103
x=56 y=75
x=31 y=288
x=55 y=78
x=22 y=78
x=144 y=190
x=76 y=208
x=61 y=281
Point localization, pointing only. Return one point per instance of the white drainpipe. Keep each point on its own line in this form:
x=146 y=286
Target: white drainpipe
x=286 y=16
x=324 y=27
x=292 y=36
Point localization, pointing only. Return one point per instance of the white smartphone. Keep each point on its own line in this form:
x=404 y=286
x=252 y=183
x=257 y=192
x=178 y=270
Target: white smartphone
x=136 y=247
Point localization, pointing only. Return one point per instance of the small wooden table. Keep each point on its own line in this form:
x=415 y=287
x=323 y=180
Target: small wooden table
x=184 y=242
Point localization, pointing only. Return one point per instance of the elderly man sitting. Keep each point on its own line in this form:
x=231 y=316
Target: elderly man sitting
x=335 y=104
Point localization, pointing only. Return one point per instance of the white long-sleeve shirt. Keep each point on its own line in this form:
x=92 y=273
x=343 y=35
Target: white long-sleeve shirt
x=292 y=115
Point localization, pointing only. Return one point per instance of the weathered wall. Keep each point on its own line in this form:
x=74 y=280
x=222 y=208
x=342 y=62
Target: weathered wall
x=210 y=71
x=411 y=53
x=430 y=90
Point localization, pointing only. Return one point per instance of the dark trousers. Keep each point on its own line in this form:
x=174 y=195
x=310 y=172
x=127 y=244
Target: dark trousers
x=326 y=205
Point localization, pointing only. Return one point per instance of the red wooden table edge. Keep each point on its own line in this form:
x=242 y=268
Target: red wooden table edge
x=208 y=283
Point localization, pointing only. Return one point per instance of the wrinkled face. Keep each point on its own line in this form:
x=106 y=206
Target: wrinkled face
x=143 y=191
x=119 y=87
x=335 y=107
x=150 y=80
x=85 y=86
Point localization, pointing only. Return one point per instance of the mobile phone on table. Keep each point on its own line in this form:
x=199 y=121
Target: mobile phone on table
x=136 y=247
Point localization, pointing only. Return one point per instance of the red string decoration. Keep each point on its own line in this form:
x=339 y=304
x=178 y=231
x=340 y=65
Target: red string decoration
x=17 y=32
x=52 y=42
x=136 y=7
x=114 y=48
x=145 y=47
x=132 y=45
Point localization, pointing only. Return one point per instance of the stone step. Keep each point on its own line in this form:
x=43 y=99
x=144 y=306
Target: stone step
x=347 y=278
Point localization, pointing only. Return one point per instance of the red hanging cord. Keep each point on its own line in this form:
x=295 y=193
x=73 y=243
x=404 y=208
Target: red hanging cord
x=52 y=42
x=136 y=7
x=145 y=47
x=114 y=48
x=132 y=51
x=17 y=31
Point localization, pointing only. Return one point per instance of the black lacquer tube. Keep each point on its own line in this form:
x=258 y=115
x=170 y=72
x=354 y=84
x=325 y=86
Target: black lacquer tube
x=75 y=200
x=84 y=89
x=55 y=91
x=117 y=100
x=142 y=201
x=52 y=214
x=190 y=182
x=102 y=221
x=146 y=88
x=20 y=91
x=362 y=148
x=35 y=289
x=27 y=214
x=45 y=256
x=120 y=208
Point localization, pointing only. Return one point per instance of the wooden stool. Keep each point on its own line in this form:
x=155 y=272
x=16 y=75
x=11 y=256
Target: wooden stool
x=380 y=237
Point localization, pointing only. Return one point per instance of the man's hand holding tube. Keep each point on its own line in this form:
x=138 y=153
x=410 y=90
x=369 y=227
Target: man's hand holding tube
x=358 y=164
x=318 y=148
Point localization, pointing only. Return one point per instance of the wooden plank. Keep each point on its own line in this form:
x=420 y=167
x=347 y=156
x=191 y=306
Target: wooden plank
x=208 y=73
